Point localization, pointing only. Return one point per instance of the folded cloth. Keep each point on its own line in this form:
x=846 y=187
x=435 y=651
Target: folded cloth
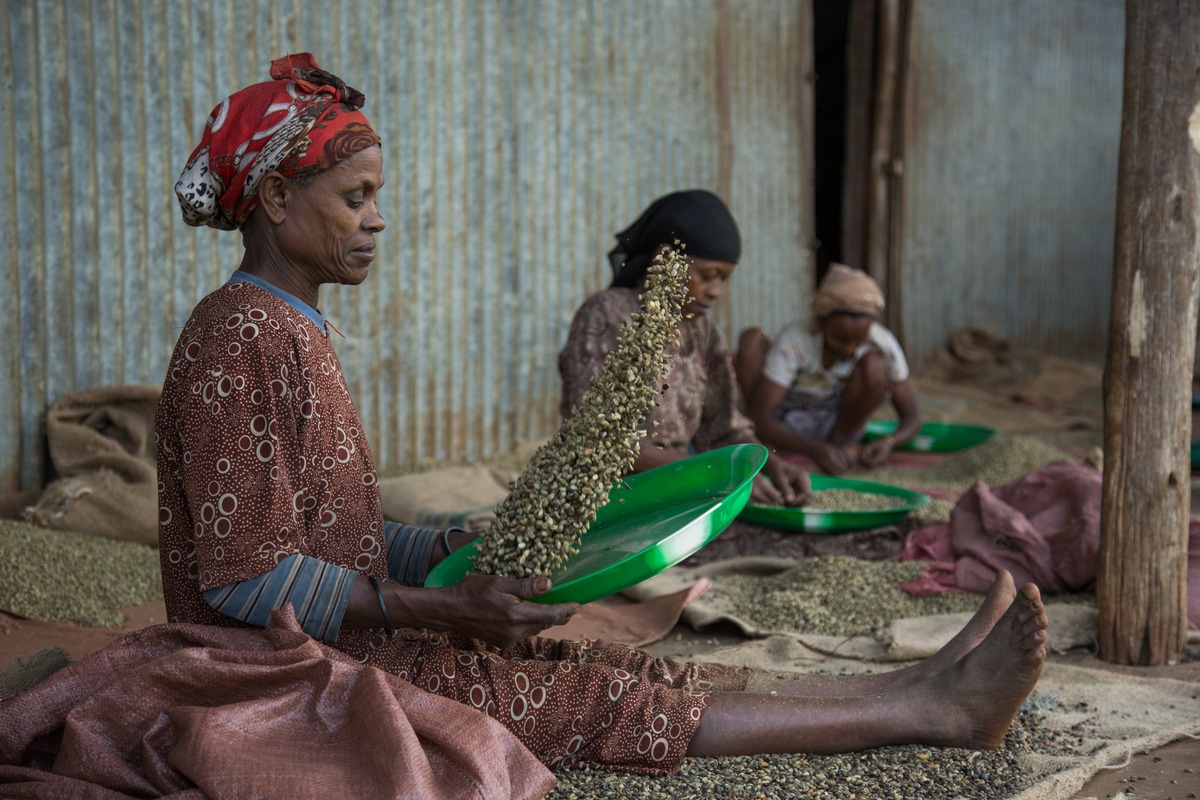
x=200 y=711
x=625 y=620
x=1043 y=528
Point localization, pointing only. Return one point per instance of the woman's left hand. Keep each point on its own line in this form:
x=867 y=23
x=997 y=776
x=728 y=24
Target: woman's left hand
x=780 y=483
x=874 y=453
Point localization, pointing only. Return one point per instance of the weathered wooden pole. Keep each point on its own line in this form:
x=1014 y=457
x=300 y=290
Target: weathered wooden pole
x=1141 y=583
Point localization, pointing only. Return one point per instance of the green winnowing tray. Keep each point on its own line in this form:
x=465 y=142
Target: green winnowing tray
x=652 y=521
x=934 y=437
x=815 y=520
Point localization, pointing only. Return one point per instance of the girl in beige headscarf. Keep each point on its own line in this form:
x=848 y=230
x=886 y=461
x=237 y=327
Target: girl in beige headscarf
x=815 y=389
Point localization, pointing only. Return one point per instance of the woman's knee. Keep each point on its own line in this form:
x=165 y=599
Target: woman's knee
x=870 y=375
x=753 y=342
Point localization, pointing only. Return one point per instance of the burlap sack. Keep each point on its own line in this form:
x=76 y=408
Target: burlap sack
x=462 y=497
x=1071 y=625
x=101 y=443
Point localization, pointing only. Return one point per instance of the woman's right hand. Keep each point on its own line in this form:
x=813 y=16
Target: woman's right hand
x=832 y=459
x=496 y=610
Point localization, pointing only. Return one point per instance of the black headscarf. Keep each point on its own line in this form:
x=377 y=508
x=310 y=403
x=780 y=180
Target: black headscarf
x=695 y=217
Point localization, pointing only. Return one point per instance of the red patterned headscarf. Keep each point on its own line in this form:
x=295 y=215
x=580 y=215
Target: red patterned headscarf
x=300 y=123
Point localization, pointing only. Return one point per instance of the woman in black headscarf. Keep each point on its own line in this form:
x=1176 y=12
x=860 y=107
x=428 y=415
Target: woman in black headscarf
x=698 y=409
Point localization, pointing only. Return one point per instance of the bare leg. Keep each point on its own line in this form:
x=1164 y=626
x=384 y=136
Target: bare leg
x=969 y=704
x=865 y=390
x=998 y=599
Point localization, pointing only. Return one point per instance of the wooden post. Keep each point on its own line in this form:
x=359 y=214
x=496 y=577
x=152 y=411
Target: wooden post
x=883 y=120
x=1141 y=583
x=860 y=95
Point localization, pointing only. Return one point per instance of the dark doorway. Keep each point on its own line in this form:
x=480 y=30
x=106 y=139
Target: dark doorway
x=830 y=32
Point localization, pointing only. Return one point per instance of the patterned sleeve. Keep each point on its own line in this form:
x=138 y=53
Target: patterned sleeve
x=787 y=356
x=721 y=423
x=319 y=592
x=409 y=549
x=241 y=426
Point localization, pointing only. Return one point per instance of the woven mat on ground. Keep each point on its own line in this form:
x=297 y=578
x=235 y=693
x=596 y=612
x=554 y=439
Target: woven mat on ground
x=1105 y=717
x=1071 y=625
x=193 y=711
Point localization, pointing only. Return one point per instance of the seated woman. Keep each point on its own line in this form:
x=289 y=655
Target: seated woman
x=269 y=496
x=813 y=391
x=697 y=410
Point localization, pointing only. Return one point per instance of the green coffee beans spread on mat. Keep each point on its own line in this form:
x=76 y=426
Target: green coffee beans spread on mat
x=550 y=505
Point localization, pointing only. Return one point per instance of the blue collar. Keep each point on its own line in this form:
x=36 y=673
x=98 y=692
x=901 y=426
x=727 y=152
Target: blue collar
x=295 y=302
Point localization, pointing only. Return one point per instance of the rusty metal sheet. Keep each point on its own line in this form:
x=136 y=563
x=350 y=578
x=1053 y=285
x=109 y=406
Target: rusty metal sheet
x=518 y=137
x=1010 y=168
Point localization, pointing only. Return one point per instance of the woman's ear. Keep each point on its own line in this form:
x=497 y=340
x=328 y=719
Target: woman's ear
x=273 y=193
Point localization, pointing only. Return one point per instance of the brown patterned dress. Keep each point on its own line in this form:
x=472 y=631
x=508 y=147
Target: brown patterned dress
x=261 y=454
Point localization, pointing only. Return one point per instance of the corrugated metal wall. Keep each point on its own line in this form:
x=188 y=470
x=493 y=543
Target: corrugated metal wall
x=518 y=136
x=1010 y=170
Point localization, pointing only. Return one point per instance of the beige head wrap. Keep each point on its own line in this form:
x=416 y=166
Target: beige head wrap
x=846 y=289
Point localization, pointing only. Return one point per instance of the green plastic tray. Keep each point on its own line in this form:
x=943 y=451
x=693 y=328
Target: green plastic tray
x=934 y=437
x=652 y=521
x=813 y=520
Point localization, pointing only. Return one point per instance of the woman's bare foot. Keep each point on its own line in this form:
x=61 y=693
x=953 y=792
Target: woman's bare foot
x=973 y=701
x=999 y=598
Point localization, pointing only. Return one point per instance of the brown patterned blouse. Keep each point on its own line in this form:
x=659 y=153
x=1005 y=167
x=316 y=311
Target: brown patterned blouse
x=261 y=454
x=698 y=408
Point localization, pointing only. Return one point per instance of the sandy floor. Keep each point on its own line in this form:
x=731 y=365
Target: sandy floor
x=1157 y=775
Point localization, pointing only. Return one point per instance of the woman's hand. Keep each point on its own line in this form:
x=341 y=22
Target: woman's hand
x=496 y=610
x=831 y=458
x=780 y=483
x=875 y=452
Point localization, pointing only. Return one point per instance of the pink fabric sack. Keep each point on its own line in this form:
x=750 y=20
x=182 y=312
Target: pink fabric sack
x=193 y=711
x=1044 y=528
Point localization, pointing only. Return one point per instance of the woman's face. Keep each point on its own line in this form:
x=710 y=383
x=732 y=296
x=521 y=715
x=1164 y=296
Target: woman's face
x=329 y=232
x=844 y=334
x=708 y=280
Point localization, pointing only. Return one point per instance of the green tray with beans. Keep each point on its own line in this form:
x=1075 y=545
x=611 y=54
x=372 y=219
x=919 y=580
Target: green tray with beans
x=934 y=437
x=814 y=519
x=652 y=521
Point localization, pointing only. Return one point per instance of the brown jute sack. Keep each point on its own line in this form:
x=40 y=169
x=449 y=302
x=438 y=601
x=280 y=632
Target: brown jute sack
x=101 y=444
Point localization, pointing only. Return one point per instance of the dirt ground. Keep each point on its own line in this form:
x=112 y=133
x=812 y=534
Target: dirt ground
x=1170 y=772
